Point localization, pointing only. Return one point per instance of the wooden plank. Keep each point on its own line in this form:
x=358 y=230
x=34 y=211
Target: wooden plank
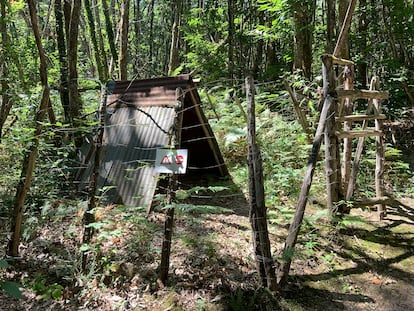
x=362 y=94
x=340 y=61
x=356 y=133
x=361 y=117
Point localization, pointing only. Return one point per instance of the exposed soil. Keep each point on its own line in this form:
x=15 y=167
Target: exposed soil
x=367 y=265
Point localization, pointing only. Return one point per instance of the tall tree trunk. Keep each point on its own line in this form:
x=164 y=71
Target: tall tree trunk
x=151 y=33
x=73 y=20
x=258 y=56
x=362 y=67
x=110 y=33
x=101 y=45
x=303 y=12
x=330 y=25
x=96 y=50
x=123 y=55
x=343 y=47
x=6 y=103
x=230 y=39
x=31 y=153
x=175 y=38
x=63 y=61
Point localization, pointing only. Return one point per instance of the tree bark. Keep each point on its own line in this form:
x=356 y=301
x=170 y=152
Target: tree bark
x=346 y=10
x=110 y=33
x=330 y=26
x=124 y=27
x=303 y=12
x=6 y=103
x=175 y=38
x=96 y=49
x=63 y=61
x=75 y=106
x=29 y=159
x=230 y=40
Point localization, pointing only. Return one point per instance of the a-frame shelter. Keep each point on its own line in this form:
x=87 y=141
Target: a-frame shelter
x=140 y=116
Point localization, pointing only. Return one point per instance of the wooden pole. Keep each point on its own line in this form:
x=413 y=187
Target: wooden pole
x=358 y=152
x=175 y=142
x=301 y=116
x=258 y=215
x=348 y=77
x=331 y=141
x=296 y=223
x=379 y=161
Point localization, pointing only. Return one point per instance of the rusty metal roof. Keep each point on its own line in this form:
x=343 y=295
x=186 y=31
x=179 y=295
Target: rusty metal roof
x=139 y=117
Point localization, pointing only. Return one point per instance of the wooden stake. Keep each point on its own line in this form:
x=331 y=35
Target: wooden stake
x=175 y=142
x=258 y=215
x=296 y=223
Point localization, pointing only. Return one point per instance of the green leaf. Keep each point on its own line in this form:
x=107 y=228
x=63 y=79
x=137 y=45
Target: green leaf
x=12 y=289
x=84 y=247
x=4 y=264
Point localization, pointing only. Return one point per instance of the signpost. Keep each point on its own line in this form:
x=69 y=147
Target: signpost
x=171 y=161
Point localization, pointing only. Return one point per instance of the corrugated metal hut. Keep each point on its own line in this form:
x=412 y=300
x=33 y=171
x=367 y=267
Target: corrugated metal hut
x=139 y=118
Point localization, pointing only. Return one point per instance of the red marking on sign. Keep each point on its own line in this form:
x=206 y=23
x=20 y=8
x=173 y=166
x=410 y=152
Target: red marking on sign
x=166 y=160
x=179 y=159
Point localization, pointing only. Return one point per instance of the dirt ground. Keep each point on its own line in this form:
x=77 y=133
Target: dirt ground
x=363 y=265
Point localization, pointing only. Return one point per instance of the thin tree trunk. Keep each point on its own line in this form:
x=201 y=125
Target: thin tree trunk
x=63 y=61
x=6 y=103
x=29 y=159
x=96 y=50
x=362 y=67
x=89 y=216
x=110 y=33
x=175 y=38
x=230 y=40
x=151 y=32
x=101 y=45
x=124 y=27
x=72 y=41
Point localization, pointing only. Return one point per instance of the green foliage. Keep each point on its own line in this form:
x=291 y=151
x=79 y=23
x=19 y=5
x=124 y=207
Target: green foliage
x=11 y=288
x=46 y=291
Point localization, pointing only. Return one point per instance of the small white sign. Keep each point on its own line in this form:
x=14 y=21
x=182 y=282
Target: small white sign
x=171 y=161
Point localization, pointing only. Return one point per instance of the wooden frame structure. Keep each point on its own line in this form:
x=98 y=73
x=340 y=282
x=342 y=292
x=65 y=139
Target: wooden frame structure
x=341 y=178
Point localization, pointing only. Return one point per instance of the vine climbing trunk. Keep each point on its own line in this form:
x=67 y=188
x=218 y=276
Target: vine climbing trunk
x=257 y=214
x=29 y=158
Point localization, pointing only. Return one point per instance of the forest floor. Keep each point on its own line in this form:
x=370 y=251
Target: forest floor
x=359 y=264
x=364 y=265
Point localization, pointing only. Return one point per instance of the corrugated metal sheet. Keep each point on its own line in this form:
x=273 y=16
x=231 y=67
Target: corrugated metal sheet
x=139 y=116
